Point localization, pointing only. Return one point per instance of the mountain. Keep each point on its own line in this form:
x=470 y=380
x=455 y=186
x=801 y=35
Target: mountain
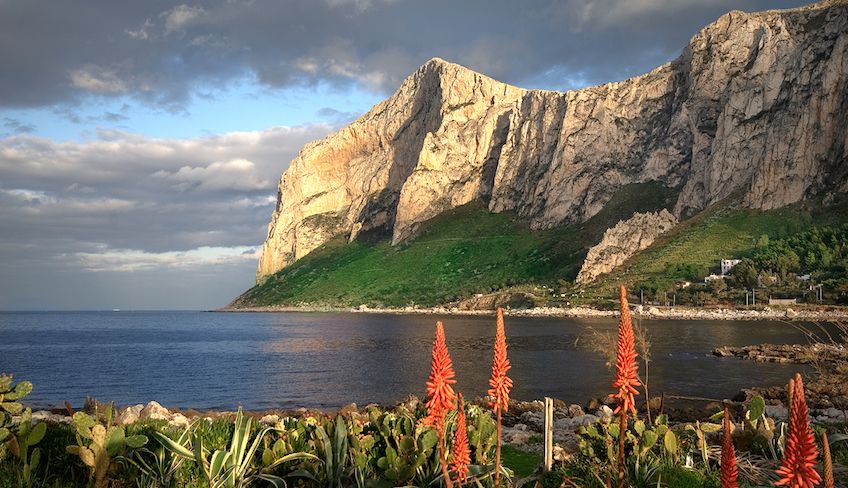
x=754 y=109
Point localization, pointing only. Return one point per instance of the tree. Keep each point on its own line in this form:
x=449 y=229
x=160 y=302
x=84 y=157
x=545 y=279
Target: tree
x=745 y=274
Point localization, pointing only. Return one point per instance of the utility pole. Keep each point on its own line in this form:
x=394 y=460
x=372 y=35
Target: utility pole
x=754 y=293
x=641 y=297
x=746 y=298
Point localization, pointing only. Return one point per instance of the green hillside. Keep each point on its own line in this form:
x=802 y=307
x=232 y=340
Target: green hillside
x=470 y=250
x=462 y=252
x=694 y=248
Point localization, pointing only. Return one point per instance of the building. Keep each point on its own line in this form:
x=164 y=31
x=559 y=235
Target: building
x=728 y=264
x=713 y=277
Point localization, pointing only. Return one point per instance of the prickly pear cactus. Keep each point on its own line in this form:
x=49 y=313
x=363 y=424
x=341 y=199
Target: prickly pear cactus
x=97 y=445
x=27 y=436
x=10 y=402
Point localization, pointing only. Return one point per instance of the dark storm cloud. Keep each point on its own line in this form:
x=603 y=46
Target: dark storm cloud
x=163 y=52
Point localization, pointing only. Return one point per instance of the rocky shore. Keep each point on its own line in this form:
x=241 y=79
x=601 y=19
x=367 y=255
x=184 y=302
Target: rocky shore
x=817 y=314
x=826 y=390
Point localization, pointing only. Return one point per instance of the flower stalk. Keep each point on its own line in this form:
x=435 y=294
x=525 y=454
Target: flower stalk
x=797 y=469
x=729 y=472
x=500 y=385
x=626 y=377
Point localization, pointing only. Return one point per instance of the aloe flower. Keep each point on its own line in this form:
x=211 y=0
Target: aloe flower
x=439 y=391
x=461 y=454
x=626 y=368
x=798 y=467
x=500 y=382
x=827 y=462
x=729 y=472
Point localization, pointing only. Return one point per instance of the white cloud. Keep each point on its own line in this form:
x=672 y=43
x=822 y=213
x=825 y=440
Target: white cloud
x=181 y=16
x=129 y=260
x=235 y=174
x=98 y=79
x=143 y=33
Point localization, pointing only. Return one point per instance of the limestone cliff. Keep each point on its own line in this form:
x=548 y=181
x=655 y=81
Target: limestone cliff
x=757 y=105
x=624 y=240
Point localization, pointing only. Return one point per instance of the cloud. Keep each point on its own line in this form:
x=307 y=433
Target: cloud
x=235 y=174
x=98 y=79
x=15 y=126
x=163 y=53
x=181 y=16
x=131 y=260
x=125 y=202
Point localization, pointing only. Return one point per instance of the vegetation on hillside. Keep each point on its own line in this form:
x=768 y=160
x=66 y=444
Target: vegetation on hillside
x=462 y=252
x=694 y=249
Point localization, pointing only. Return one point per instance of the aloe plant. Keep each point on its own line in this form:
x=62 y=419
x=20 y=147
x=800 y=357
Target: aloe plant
x=236 y=466
x=157 y=466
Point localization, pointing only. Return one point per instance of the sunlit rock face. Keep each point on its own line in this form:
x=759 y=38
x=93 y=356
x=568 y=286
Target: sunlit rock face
x=756 y=105
x=622 y=241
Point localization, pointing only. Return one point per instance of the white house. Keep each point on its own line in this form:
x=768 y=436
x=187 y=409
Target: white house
x=713 y=277
x=728 y=264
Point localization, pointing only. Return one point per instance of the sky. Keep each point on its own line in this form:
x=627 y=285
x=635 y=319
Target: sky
x=141 y=142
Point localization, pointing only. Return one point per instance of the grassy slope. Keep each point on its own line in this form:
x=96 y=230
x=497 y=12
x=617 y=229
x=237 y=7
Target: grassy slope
x=722 y=231
x=469 y=250
x=461 y=252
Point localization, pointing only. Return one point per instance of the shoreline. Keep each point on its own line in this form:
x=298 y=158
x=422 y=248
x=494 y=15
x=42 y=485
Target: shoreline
x=824 y=314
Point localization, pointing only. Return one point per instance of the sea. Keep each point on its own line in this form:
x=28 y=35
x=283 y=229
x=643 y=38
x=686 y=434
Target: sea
x=264 y=361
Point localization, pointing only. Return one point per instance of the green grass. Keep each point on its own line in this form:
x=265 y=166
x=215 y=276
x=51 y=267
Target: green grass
x=723 y=231
x=522 y=463
x=462 y=252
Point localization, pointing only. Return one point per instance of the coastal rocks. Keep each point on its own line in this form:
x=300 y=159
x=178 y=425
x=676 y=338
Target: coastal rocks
x=46 y=416
x=269 y=419
x=624 y=240
x=491 y=301
x=756 y=106
x=777 y=412
x=154 y=411
x=787 y=353
x=129 y=415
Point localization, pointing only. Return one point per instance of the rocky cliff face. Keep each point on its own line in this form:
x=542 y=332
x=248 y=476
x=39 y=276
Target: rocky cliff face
x=757 y=105
x=624 y=240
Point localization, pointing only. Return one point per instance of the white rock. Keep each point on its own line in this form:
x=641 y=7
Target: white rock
x=154 y=411
x=47 y=416
x=604 y=413
x=624 y=240
x=127 y=416
x=179 y=420
x=270 y=419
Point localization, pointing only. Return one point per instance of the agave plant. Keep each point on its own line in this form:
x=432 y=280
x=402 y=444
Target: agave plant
x=236 y=466
x=157 y=467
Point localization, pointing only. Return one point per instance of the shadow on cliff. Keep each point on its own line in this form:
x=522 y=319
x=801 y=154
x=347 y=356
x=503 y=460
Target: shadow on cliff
x=406 y=146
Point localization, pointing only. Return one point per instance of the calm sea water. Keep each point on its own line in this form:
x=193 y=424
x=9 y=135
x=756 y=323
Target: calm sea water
x=284 y=360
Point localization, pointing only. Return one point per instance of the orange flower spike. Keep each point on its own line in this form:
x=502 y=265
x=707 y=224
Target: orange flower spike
x=797 y=469
x=439 y=391
x=626 y=368
x=461 y=455
x=827 y=462
x=500 y=382
x=729 y=473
